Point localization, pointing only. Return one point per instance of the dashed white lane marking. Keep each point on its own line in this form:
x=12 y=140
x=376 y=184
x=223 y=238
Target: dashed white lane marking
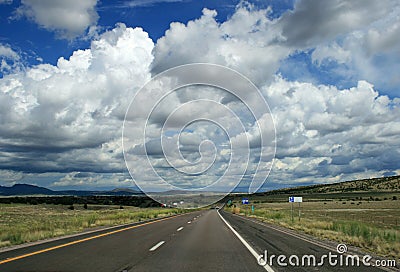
x=157 y=246
x=252 y=251
x=181 y=228
x=189 y=222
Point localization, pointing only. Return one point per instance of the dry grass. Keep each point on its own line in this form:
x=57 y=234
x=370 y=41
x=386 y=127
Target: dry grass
x=21 y=223
x=373 y=226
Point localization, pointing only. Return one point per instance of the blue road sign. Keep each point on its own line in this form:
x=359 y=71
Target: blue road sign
x=245 y=201
x=295 y=199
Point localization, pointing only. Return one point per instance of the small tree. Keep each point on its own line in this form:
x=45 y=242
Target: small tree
x=85 y=206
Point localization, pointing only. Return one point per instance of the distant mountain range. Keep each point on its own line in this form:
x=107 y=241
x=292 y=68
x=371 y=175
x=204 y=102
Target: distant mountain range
x=382 y=184
x=27 y=189
x=386 y=184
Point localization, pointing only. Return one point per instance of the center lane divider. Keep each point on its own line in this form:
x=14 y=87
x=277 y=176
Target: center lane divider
x=157 y=246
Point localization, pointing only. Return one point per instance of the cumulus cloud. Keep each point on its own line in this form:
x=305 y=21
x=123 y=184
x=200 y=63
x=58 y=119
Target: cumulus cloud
x=325 y=132
x=92 y=181
x=245 y=42
x=330 y=52
x=68 y=19
x=10 y=177
x=313 y=21
x=375 y=52
x=313 y=115
x=7 y=52
x=9 y=59
x=366 y=47
x=70 y=115
x=147 y=3
x=352 y=40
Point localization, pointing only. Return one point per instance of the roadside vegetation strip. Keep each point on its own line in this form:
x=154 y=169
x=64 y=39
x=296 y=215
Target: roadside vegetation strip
x=84 y=240
x=356 y=225
x=21 y=223
x=329 y=245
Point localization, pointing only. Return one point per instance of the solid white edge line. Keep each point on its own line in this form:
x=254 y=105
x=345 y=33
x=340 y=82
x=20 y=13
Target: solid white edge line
x=179 y=229
x=252 y=251
x=156 y=246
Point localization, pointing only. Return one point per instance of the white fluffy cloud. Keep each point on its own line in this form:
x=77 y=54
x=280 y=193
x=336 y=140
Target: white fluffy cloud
x=87 y=180
x=330 y=52
x=366 y=48
x=360 y=36
x=246 y=42
x=147 y=3
x=7 y=52
x=329 y=131
x=9 y=59
x=326 y=132
x=68 y=18
x=312 y=22
x=70 y=115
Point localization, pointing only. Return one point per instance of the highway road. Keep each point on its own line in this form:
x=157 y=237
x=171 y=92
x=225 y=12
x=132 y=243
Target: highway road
x=197 y=241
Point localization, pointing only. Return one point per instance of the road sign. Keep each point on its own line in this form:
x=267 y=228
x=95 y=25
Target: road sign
x=295 y=199
x=245 y=201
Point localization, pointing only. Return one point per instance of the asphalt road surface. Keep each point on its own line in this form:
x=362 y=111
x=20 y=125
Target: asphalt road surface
x=198 y=241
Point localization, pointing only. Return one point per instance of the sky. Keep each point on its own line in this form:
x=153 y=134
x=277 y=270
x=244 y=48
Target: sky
x=329 y=71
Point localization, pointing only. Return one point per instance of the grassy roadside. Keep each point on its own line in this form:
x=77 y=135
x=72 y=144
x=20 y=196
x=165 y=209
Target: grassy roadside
x=373 y=226
x=20 y=223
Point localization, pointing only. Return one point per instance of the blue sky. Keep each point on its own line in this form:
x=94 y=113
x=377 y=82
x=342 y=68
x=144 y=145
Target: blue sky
x=23 y=35
x=329 y=72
